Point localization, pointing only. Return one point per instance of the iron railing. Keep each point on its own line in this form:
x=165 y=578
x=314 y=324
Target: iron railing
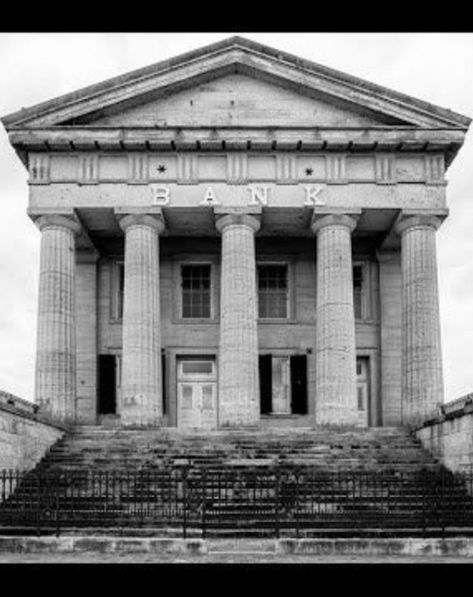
x=271 y=500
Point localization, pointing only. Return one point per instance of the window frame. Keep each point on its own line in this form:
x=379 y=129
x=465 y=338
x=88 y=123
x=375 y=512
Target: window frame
x=116 y=300
x=180 y=302
x=366 y=291
x=287 y=264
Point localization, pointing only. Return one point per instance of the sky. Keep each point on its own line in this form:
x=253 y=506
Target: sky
x=437 y=68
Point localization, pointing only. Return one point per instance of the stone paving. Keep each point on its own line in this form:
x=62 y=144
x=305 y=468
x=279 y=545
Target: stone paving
x=221 y=558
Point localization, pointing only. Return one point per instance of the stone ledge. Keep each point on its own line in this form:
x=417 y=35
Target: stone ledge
x=453 y=547
x=27 y=410
x=448 y=411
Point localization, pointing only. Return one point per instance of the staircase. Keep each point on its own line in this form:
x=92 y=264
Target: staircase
x=92 y=447
x=343 y=482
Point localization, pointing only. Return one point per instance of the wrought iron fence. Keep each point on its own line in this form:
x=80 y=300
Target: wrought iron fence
x=210 y=500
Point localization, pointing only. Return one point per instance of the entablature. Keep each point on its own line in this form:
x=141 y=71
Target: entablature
x=236 y=167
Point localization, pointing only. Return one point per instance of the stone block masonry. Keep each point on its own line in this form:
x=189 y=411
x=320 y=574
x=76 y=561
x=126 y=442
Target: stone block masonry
x=448 y=434
x=25 y=436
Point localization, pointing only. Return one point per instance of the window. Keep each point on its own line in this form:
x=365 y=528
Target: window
x=117 y=290
x=197 y=368
x=272 y=291
x=358 y=291
x=195 y=284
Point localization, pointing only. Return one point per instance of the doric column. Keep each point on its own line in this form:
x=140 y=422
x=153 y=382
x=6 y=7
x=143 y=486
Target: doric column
x=141 y=402
x=389 y=265
x=86 y=335
x=55 y=376
x=335 y=321
x=421 y=366
x=238 y=353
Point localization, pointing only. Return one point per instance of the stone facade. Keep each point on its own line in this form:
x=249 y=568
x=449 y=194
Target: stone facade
x=254 y=241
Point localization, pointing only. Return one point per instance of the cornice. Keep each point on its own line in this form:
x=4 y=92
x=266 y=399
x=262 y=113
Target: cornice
x=351 y=140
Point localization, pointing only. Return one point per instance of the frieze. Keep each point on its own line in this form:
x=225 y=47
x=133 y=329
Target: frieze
x=239 y=168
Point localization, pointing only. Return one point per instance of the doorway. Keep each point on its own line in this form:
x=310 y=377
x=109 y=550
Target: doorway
x=362 y=390
x=107 y=395
x=283 y=384
x=197 y=393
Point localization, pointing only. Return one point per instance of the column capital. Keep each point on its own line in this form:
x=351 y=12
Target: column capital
x=58 y=220
x=336 y=218
x=411 y=219
x=225 y=219
x=153 y=218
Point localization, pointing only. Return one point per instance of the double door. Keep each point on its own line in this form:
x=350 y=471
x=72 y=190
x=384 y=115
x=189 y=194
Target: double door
x=196 y=393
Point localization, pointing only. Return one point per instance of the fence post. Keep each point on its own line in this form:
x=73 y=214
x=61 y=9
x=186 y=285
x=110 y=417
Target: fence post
x=276 y=501
x=141 y=502
x=38 y=510
x=423 y=489
x=203 y=478
x=57 y=504
x=470 y=487
x=184 y=502
x=443 y=505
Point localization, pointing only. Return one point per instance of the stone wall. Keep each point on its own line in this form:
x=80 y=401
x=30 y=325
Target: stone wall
x=448 y=434
x=25 y=435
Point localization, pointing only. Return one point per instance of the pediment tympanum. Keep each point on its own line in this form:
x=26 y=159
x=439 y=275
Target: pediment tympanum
x=239 y=100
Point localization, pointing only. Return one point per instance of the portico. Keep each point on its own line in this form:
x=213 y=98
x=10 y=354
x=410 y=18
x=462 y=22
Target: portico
x=278 y=268
x=237 y=401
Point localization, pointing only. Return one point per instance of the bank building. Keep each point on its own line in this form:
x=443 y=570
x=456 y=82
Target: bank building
x=238 y=313
x=237 y=238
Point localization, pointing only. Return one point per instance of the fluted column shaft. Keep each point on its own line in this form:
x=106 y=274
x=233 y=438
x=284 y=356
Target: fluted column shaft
x=238 y=351
x=421 y=366
x=55 y=375
x=335 y=325
x=141 y=403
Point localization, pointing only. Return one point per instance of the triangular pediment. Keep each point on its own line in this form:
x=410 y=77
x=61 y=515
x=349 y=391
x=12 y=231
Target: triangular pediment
x=267 y=88
x=237 y=100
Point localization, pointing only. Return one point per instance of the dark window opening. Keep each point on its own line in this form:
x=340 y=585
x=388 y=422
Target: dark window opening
x=272 y=291
x=358 y=291
x=299 y=384
x=265 y=383
x=196 y=288
x=107 y=398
